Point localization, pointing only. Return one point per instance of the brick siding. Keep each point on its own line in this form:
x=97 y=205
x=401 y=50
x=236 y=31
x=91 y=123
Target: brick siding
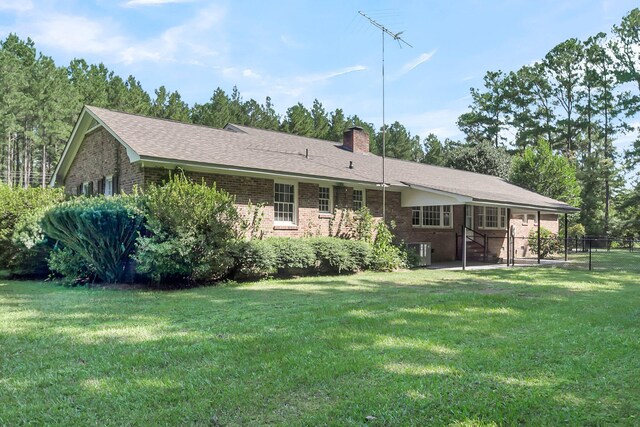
x=101 y=155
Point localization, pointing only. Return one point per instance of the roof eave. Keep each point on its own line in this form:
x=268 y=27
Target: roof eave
x=151 y=161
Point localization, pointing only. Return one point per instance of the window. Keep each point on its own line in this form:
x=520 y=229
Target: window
x=358 y=199
x=526 y=217
x=324 y=200
x=415 y=216
x=108 y=185
x=491 y=217
x=284 y=203
x=431 y=216
x=85 y=189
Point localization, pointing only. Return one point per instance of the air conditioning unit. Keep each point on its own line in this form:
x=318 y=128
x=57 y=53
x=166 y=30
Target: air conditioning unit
x=423 y=250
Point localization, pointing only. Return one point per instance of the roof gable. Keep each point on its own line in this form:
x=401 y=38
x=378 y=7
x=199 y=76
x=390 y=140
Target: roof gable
x=88 y=121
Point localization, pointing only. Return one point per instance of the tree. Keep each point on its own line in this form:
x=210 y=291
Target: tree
x=434 y=151
x=169 y=106
x=320 y=120
x=539 y=169
x=482 y=158
x=298 y=121
x=529 y=102
x=564 y=64
x=400 y=144
x=337 y=126
x=488 y=115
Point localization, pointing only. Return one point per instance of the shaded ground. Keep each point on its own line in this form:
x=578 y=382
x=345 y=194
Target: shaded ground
x=543 y=346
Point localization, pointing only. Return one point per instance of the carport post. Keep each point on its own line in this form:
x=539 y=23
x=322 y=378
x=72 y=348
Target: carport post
x=464 y=239
x=539 y=237
x=566 y=236
x=508 y=236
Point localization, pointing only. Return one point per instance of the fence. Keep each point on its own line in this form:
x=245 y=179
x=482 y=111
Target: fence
x=586 y=252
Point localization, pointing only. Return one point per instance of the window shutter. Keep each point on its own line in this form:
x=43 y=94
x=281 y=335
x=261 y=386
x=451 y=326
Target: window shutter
x=79 y=190
x=115 y=185
x=90 y=192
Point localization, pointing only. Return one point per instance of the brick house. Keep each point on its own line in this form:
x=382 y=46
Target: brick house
x=304 y=183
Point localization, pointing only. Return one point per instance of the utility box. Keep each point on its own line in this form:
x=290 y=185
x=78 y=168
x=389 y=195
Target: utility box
x=424 y=252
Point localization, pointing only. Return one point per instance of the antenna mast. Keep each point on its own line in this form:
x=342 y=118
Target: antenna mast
x=400 y=40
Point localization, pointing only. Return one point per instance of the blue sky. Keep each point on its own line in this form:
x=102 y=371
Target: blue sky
x=296 y=51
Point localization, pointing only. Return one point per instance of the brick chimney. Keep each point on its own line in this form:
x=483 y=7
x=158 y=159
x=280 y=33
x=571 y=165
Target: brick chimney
x=356 y=140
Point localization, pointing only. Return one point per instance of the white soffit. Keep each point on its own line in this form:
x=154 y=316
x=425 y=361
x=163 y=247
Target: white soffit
x=427 y=197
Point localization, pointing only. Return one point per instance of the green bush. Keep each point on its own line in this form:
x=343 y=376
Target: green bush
x=576 y=230
x=253 y=259
x=23 y=246
x=339 y=255
x=286 y=256
x=360 y=251
x=386 y=256
x=191 y=232
x=71 y=266
x=549 y=242
x=292 y=254
x=332 y=255
x=100 y=231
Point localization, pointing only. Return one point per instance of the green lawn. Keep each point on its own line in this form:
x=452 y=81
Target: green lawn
x=540 y=346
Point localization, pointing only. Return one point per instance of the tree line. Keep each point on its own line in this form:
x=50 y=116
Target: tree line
x=560 y=115
x=580 y=98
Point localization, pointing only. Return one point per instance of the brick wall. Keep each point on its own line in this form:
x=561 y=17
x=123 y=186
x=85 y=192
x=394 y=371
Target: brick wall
x=101 y=155
x=522 y=230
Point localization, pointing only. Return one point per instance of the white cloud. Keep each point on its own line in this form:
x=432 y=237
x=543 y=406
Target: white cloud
x=185 y=43
x=16 y=5
x=422 y=58
x=248 y=72
x=77 y=34
x=136 y=3
x=314 y=78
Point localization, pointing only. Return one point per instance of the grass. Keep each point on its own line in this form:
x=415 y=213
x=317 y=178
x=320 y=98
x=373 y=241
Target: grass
x=542 y=346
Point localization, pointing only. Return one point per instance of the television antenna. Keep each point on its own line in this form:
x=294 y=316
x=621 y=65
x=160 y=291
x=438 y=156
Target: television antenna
x=395 y=36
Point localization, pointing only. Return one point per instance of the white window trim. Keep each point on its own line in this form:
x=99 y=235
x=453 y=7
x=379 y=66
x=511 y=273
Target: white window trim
x=482 y=216
x=364 y=197
x=330 y=211
x=108 y=178
x=295 y=204
x=442 y=227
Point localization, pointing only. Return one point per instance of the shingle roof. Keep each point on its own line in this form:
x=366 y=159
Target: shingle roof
x=249 y=148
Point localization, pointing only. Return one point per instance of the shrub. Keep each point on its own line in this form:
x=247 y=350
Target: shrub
x=192 y=229
x=253 y=259
x=100 y=231
x=332 y=255
x=360 y=252
x=292 y=254
x=340 y=255
x=549 y=242
x=23 y=246
x=71 y=266
x=386 y=256
x=576 y=230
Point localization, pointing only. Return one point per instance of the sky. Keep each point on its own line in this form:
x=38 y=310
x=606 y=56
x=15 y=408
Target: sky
x=298 y=51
